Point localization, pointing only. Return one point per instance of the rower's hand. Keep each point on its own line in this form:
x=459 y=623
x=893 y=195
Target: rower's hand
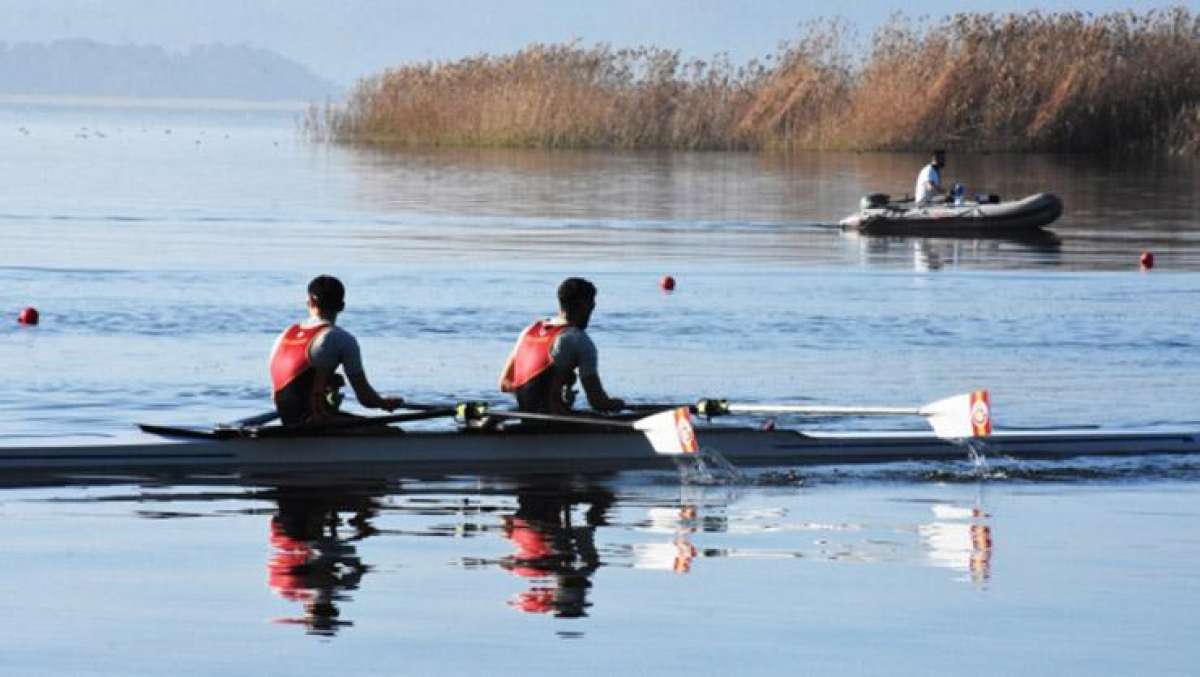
x=391 y=403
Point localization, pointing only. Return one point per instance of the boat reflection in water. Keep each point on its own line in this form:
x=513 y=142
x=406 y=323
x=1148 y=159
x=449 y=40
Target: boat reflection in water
x=933 y=253
x=314 y=560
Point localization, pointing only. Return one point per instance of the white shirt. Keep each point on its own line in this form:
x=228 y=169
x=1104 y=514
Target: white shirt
x=929 y=182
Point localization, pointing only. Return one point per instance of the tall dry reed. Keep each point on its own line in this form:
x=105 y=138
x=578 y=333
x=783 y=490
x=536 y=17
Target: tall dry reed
x=552 y=96
x=1056 y=82
x=1035 y=82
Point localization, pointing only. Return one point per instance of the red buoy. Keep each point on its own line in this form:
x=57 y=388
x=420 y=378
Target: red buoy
x=667 y=283
x=28 y=316
x=1147 y=260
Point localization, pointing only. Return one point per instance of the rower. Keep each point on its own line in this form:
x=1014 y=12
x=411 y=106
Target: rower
x=929 y=181
x=542 y=367
x=306 y=356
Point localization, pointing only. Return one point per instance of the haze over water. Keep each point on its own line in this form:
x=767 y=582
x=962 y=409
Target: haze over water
x=166 y=249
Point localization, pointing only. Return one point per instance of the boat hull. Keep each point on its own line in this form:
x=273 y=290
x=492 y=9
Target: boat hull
x=561 y=451
x=1006 y=219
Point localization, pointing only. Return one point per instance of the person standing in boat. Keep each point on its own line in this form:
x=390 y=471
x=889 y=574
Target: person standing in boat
x=307 y=354
x=542 y=367
x=929 y=181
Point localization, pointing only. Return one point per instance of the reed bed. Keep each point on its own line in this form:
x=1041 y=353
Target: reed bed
x=1063 y=82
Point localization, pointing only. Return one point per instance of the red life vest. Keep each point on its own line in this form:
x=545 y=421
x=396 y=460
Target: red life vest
x=533 y=352
x=290 y=359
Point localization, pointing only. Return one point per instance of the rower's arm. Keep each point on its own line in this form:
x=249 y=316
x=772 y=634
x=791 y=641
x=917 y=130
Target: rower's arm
x=368 y=397
x=597 y=398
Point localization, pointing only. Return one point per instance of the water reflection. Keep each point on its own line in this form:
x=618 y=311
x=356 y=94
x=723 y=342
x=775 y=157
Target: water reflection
x=756 y=207
x=551 y=536
x=677 y=554
x=929 y=253
x=960 y=539
x=556 y=554
x=314 y=561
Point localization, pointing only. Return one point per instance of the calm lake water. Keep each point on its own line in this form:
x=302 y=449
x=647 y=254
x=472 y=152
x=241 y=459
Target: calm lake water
x=166 y=249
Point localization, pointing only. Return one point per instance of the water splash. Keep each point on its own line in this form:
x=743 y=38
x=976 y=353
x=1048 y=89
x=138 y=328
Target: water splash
x=708 y=467
x=976 y=453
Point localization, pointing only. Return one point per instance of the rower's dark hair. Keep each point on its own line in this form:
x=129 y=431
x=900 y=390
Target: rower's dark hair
x=574 y=291
x=328 y=293
x=938 y=151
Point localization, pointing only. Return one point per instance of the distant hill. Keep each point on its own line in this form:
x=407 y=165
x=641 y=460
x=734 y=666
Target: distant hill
x=79 y=67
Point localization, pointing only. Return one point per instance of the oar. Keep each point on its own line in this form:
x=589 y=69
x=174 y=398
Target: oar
x=670 y=432
x=957 y=417
x=265 y=417
x=268 y=416
x=224 y=433
x=345 y=423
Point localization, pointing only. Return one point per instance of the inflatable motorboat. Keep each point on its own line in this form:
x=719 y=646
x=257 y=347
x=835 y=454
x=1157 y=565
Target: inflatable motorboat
x=986 y=216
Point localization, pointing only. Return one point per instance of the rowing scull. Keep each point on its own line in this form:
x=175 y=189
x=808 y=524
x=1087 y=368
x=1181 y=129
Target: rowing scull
x=519 y=449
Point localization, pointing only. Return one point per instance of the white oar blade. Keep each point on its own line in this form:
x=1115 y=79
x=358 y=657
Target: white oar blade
x=961 y=416
x=670 y=432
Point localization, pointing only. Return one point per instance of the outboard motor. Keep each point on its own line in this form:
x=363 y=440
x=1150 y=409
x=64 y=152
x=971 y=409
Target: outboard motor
x=874 y=201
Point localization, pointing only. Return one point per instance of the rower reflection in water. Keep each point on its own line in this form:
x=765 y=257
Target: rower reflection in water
x=312 y=563
x=304 y=362
x=542 y=367
x=557 y=556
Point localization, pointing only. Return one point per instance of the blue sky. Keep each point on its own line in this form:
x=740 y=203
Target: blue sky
x=346 y=39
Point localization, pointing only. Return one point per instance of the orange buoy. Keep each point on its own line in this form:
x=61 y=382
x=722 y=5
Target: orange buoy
x=28 y=316
x=1147 y=260
x=667 y=283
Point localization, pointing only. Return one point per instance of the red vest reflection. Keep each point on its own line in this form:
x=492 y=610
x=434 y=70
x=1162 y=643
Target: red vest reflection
x=311 y=563
x=558 y=557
